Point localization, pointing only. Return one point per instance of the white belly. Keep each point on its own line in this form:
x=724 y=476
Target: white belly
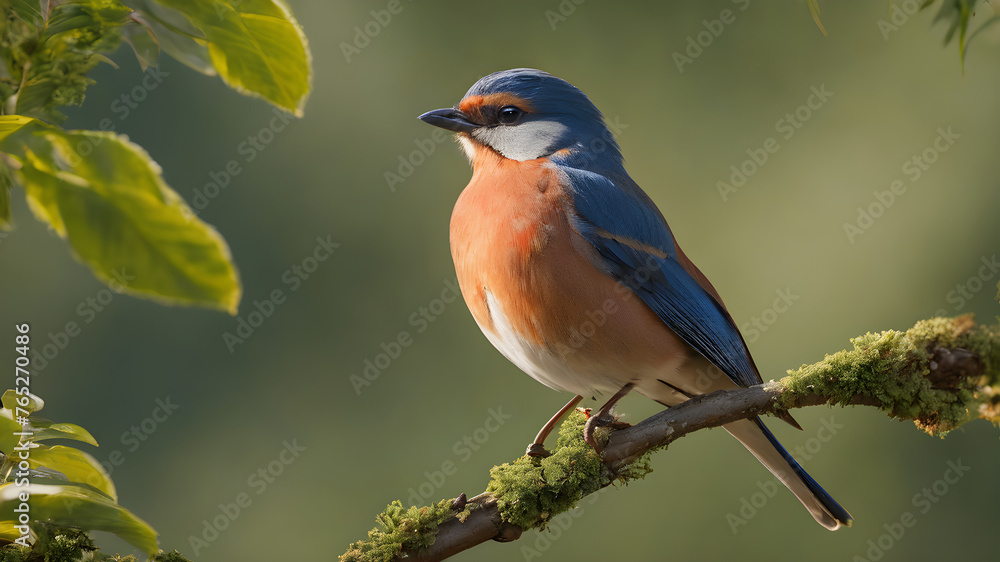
x=563 y=369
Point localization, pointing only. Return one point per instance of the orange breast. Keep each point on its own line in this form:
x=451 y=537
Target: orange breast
x=503 y=222
x=574 y=327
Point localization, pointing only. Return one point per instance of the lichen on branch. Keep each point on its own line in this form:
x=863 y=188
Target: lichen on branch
x=400 y=530
x=941 y=373
x=530 y=490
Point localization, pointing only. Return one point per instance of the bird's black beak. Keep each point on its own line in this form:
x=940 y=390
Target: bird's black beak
x=449 y=118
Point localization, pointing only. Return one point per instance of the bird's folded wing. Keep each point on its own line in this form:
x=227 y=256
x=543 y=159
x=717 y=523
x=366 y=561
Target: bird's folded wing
x=637 y=248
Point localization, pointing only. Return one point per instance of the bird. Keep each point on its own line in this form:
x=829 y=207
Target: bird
x=572 y=272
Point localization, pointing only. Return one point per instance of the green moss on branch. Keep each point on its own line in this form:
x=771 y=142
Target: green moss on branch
x=400 y=530
x=530 y=490
x=941 y=373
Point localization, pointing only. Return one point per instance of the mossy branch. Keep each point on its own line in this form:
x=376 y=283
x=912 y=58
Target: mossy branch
x=67 y=544
x=941 y=373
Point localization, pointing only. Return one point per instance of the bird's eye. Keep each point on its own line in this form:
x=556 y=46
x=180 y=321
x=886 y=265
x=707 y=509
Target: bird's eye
x=509 y=115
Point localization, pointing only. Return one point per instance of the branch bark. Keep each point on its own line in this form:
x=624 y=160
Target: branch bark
x=940 y=373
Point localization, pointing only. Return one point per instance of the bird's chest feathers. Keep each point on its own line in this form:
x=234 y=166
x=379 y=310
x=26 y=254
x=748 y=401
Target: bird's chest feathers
x=505 y=227
x=507 y=213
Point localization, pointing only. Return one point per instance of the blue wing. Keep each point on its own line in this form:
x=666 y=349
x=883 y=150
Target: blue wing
x=638 y=250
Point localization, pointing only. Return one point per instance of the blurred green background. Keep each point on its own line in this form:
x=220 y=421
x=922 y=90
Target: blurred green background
x=681 y=130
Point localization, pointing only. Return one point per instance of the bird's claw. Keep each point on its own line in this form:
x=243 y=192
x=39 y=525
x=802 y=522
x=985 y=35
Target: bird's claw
x=537 y=450
x=594 y=422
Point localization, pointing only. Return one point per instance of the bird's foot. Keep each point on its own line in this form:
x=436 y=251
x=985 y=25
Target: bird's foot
x=537 y=450
x=537 y=447
x=604 y=418
x=594 y=422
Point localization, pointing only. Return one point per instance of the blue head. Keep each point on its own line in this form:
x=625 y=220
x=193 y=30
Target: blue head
x=524 y=114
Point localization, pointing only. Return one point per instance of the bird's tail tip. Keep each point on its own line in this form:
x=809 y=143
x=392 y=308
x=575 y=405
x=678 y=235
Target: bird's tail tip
x=824 y=509
x=830 y=513
x=836 y=516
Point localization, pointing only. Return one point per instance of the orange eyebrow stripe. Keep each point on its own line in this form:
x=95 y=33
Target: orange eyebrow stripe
x=472 y=104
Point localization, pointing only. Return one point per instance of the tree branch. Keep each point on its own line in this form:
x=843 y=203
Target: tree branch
x=941 y=373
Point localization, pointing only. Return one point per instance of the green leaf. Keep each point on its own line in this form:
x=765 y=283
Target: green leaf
x=12 y=400
x=177 y=37
x=75 y=464
x=8 y=427
x=948 y=10
x=62 y=52
x=28 y=11
x=958 y=14
x=9 y=124
x=143 y=41
x=966 y=13
x=106 y=196
x=814 y=10
x=85 y=16
x=48 y=429
x=76 y=506
x=40 y=427
x=256 y=46
x=8 y=532
x=986 y=24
